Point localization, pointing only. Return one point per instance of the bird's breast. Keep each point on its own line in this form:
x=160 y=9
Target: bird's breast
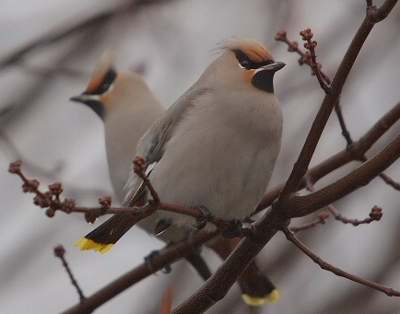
x=218 y=158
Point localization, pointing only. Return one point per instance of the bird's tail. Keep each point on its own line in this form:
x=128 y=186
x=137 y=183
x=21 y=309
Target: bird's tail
x=256 y=288
x=107 y=234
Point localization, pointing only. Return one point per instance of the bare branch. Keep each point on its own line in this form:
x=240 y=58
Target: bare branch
x=298 y=206
x=139 y=167
x=374 y=215
x=309 y=58
x=59 y=252
x=304 y=159
x=337 y=271
x=170 y=255
x=343 y=157
x=51 y=200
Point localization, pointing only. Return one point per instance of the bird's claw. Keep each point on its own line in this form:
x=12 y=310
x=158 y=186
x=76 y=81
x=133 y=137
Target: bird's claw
x=205 y=217
x=236 y=228
x=149 y=262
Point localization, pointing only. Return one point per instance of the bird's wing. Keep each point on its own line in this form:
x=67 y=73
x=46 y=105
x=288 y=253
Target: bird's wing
x=151 y=145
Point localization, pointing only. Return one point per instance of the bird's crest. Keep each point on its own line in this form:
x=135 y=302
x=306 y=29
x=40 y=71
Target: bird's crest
x=251 y=48
x=103 y=71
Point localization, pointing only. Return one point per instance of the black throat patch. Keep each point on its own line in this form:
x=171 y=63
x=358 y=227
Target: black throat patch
x=264 y=80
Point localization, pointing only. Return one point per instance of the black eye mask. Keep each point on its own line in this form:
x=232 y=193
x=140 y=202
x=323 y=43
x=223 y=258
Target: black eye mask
x=108 y=79
x=248 y=64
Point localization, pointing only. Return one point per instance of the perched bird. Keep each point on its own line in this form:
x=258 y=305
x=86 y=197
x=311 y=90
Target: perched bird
x=127 y=107
x=215 y=147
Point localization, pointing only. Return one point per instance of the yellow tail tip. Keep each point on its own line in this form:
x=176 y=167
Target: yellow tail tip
x=271 y=298
x=87 y=244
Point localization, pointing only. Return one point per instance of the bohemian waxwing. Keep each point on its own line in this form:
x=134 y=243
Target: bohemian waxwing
x=127 y=108
x=216 y=147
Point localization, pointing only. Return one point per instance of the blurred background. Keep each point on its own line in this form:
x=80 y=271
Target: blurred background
x=171 y=42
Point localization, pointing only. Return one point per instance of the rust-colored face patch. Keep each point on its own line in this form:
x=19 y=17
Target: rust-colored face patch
x=102 y=77
x=248 y=76
x=100 y=85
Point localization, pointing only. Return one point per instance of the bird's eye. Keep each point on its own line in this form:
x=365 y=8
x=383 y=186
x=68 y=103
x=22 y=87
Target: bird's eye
x=107 y=81
x=247 y=63
x=244 y=60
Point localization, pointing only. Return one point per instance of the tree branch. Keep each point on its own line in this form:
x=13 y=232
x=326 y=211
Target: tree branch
x=170 y=255
x=298 y=206
x=358 y=148
x=59 y=252
x=304 y=159
x=337 y=271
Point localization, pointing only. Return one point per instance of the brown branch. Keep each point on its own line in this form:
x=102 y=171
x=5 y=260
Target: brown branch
x=298 y=206
x=219 y=284
x=374 y=215
x=337 y=271
x=170 y=255
x=59 y=252
x=309 y=58
x=51 y=201
x=306 y=57
x=388 y=180
x=304 y=159
x=139 y=167
x=343 y=157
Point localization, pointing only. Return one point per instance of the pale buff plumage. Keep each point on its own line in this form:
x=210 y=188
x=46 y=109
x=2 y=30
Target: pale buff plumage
x=217 y=145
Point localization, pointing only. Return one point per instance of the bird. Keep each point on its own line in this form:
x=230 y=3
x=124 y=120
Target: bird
x=127 y=107
x=215 y=147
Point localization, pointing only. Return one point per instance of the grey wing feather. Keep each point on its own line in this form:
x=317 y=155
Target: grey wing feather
x=151 y=145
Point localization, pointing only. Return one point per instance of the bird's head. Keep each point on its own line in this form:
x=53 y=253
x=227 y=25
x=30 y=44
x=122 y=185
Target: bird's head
x=108 y=88
x=244 y=63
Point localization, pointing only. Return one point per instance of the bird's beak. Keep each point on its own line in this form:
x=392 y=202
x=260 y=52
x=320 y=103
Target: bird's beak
x=85 y=98
x=272 y=67
x=92 y=101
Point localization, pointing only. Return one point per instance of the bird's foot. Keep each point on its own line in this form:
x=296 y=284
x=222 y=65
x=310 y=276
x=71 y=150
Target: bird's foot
x=237 y=229
x=205 y=217
x=150 y=263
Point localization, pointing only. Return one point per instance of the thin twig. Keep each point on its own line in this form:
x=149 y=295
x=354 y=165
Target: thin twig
x=59 y=252
x=341 y=158
x=320 y=220
x=337 y=271
x=309 y=58
x=375 y=214
x=52 y=201
x=139 y=167
x=298 y=206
